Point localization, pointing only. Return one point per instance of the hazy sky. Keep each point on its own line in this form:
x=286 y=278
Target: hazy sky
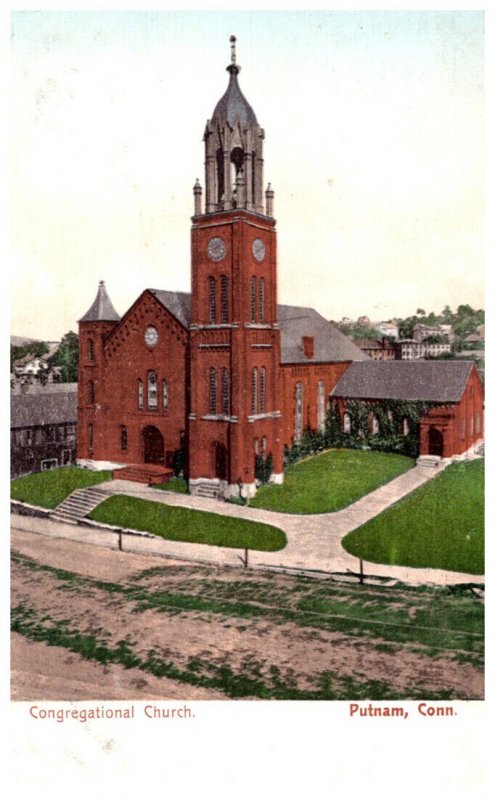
x=374 y=147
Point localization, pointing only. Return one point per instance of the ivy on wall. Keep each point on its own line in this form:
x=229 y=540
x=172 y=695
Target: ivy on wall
x=390 y=438
x=389 y=415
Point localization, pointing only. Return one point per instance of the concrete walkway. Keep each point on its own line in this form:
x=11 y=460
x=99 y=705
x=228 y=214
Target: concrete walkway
x=314 y=540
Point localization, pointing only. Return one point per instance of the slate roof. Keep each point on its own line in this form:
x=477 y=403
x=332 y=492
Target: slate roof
x=329 y=343
x=295 y=322
x=233 y=106
x=178 y=303
x=101 y=309
x=52 y=408
x=430 y=381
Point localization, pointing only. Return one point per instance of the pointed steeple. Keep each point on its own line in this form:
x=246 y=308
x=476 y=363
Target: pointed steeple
x=233 y=107
x=233 y=150
x=101 y=309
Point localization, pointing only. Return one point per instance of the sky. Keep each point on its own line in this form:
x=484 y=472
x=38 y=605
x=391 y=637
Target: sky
x=374 y=147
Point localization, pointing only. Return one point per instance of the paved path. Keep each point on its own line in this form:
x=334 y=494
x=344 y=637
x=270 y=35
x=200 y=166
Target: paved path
x=314 y=540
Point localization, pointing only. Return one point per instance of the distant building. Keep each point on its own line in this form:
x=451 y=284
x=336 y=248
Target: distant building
x=422 y=332
x=412 y=350
x=364 y=321
x=43 y=427
x=389 y=329
x=30 y=369
x=377 y=349
x=477 y=336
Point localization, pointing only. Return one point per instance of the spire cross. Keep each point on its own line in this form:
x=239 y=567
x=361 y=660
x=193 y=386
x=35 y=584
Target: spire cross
x=233 y=40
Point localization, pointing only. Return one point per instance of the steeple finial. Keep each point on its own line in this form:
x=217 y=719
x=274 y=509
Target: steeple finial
x=233 y=67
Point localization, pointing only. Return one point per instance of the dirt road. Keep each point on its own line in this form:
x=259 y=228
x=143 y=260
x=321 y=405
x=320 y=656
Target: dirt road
x=126 y=626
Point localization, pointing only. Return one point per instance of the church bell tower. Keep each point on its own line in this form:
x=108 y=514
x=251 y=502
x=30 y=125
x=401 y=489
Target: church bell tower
x=234 y=419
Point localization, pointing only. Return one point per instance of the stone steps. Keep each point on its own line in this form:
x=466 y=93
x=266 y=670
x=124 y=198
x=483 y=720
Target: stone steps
x=79 y=504
x=210 y=490
x=149 y=474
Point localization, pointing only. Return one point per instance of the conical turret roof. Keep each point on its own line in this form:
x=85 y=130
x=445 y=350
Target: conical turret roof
x=102 y=309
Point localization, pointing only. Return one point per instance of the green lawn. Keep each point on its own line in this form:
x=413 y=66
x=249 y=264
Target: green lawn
x=173 y=485
x=48 y=489
x=440 y=526
x=331 y=481
x=188 y=525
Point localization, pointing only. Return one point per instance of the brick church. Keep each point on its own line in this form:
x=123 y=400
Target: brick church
x=223 y=374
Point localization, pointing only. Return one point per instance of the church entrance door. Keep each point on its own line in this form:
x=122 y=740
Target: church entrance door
x=220 y=459
x=154 y=448
x=435 y=442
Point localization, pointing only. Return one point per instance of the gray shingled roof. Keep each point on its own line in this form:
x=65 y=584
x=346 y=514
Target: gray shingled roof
x=329 y=343
x=233 y=106
x=178 y=303
x=49 y=409
x=101 y=309
x=295 y=322
x=430 y=381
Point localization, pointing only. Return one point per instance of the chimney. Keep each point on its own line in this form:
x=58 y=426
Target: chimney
x=308 y=346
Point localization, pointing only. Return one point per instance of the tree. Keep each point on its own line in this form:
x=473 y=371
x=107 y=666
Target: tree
x=420 y=312
x=67 y=357
x=447 y=315
x=406 y=327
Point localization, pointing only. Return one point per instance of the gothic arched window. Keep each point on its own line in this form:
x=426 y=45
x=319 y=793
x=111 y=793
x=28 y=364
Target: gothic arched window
x=346 y=425
x=320 y=406
x=254 y=390
x=91 y=350
x=165 y=396
x=261 y=300
x=91 y=392
x=212 y=299
x=374 y=426
x=212 y=391
x=405 y=426
x=140 y=394
x=224 y=299
x=299 y=405
x=253 y=299
x=225 y=393
x=152 y=391
x=262 y=404
x=90 y=437
x=123 y=437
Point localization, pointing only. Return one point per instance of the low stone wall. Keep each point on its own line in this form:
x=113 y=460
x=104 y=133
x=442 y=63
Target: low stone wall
x=27 y=510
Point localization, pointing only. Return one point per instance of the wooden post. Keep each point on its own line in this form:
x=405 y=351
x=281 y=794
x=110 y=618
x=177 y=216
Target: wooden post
x=120 y=540
x=246 y=558
x=361 y=573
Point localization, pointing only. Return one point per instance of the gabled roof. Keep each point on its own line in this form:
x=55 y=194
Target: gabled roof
x=430 y=381
x=178 y=303
x=295 y=322
x=329 y=343
x=101 y=309
x=51 y=408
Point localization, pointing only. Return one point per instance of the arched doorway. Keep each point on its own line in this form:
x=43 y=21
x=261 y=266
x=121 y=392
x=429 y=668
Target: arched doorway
x=154 y=448
x=220 y=460
x=435 y=442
